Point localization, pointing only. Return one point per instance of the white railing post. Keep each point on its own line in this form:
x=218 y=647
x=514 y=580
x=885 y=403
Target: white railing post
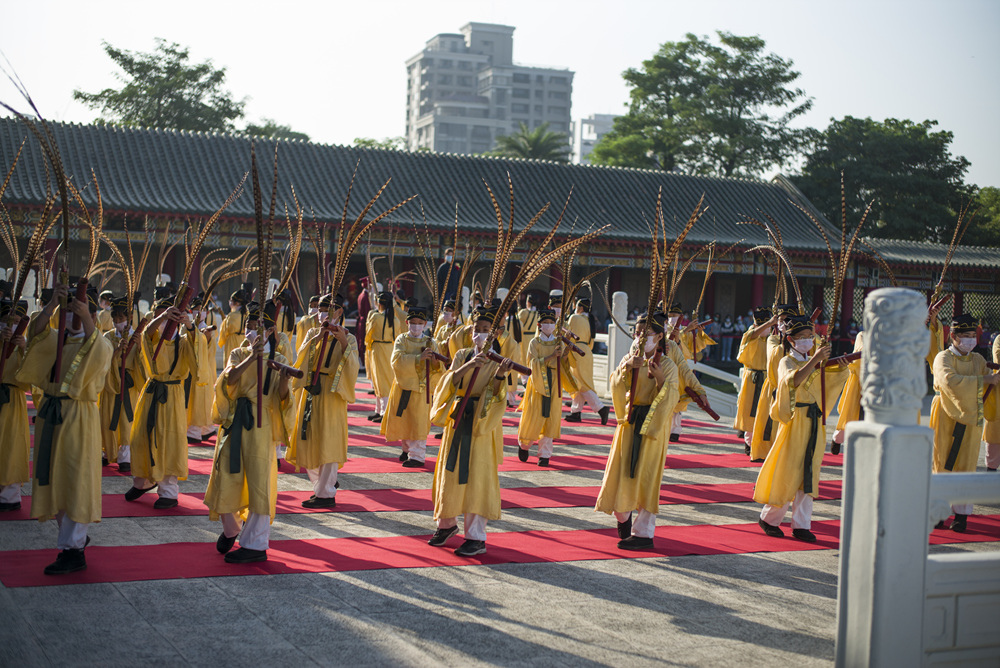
x=618 y=343
x=887 y=468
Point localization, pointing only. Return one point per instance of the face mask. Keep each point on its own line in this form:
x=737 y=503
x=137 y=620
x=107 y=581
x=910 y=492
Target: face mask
x=449 y=316
x=447 y=258
x=252 y=335
x=479 y=339
x=802 y=346
x=416 y=331
x=120 y=326
x=674 y=319
x=313 y=311
x=781 y=326
x=203 y=314
x=558 y=311
x=547 y=328
x=966 y=344
x=233 y=306
x=650 y=344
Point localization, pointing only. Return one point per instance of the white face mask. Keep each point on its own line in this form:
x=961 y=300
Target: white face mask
x=233 y=306
x=650 y=344
x=252 y=335
x=449 y=316
x=479 y=339
x=203 y=314
x=966 y=344
x=120 y=326
x=558 y=311
x=781 y=325
x=448 y=258
x=674 y=320
x=313 y=311
x=802 y=346
x=416 y=331
x=547 y=328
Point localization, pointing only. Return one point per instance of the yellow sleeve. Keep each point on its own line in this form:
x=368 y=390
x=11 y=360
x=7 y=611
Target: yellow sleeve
x=661 y=410
x=407 y=367
x=85 y=378
x=961 y=395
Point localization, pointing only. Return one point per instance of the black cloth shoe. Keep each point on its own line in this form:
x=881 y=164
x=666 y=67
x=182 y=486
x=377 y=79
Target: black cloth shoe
x=805 y=535
x=224 y=544
x=771 y=530
x=471 y=548
x=941 y=525
x=246 y=556
x=319 y=502
x=746 y=449
x=439 y=436
x=675 y=438
x=163 y=503
x=635 y=543
x=960 y=523
x=4 y=507
x=441 y=536
x=372 y=417
x=403 y=456
x=625 y=528
x=124 y=467
x=371 y=393
x=522 y=454
x=989 y=469
x=68 y=561
x=413 y=464
x=604 y=412
x=543 y=461
x=377 y=419
x=835 y=448
x=104 y=461
x=134 y=493
x=574 y=417
x=756 y=461
x=194 y=441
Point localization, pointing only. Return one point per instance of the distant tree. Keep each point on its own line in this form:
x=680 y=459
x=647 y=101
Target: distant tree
x=537 y=144
x=715 y=109
x=389 y=143
x=163 y=90
x=270 y=128
x=984 y=230
x=906 y=167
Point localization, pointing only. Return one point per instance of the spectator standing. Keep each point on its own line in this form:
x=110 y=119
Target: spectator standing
x=728 y=331
x=448 y=282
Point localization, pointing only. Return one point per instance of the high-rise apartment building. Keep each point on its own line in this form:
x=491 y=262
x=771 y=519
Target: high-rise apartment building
x=586 y=132
x=464 y=90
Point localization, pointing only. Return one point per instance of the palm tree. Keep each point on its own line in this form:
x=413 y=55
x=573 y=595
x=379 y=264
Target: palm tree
x=537 y=144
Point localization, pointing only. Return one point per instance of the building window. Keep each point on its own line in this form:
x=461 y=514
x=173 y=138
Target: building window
x=500 y=113
x=464 y=65
x=520 y=93
x=464 y=81
x=557 y=95
x=557 y=111
x=444 y=79
x=521 y=78
x=558 y=80
x=539 y=93
x=538 y=109
x=516 y=108
x=445 y=64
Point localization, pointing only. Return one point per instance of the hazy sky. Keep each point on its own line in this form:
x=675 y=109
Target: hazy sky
x=335 y=70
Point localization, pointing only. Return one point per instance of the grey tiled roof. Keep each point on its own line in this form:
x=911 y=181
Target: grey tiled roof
x=919 y=252
x=190 y=174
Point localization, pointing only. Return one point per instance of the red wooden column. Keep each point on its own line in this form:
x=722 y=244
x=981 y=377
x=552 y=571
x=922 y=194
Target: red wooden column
x=959 y=303
x=757 y=293
x=710 y=296
x=818 y=297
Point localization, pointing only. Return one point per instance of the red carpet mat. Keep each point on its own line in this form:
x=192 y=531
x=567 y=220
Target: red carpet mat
x=189 y=560
x=389 y=500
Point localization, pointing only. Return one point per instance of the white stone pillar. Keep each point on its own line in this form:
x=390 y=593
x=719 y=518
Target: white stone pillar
x=466 y=298
x=618 y=342
x=887 y=467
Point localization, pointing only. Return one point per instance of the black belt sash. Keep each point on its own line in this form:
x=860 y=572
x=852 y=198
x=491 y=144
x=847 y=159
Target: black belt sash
x=242 y=421
x=123 y=400
x=814 y=413
x=307 y=410
x=770 y=423
x=187 y=391
x=461 y=442
x=638 y=418
x=51 y=413
x=957 y=436
x=547 y=401
x=757 y=378
x=404 y=401
x=4 y=394
x=158 y=388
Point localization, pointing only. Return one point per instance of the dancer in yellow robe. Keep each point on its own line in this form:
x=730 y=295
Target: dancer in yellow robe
x=308 y=321
x=691 y=338
x=634 y=470
x=679 y=350
x=991 y=434
x=539 y=417
x=958 y=410
x=529 y=323
x=117 y=407
x=764 y=429
x=243 y=486
x=583 y=325
x=753 y=356
x=159 y=432
x=382 y=329
x=15 y=442
x=66 y=483
x=465 y=476
x=230 y=335
x=849 y=408
x=790 y=473
x=105 y=321
x=201 y=391
x=318 y=442
x=447 y=324
x=407 y=417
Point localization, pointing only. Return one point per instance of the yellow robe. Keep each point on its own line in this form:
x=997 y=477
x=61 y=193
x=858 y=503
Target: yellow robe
x=379 y=338
x=533 y=424
x=529 y=327
x=685 y=377
x=759 y=445
x=303 y=326
x=166 y=444
x=699 y=340
x=753 y=357
x=104 y=323
x=75 y=466
x=850 y=401
x=199 y=412
x=480 y=495
x=413 y=422
x=325 y=440
x=783 y=471
x=231 y=334
x=254 y=486
x=583 y=366
x=958 y=400
x=112 y=440
x=937 y=341
x=443 y=331
x=15 y=442
x=460 y=339
x=991 y=434
x=620 y=491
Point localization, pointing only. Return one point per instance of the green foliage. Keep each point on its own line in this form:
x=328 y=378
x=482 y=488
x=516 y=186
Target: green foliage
x=984 y=230
x=537 y=144
x=389 y=143
x=163 y=90
x=714 y=109
x=906 y=167
x=271 y=129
